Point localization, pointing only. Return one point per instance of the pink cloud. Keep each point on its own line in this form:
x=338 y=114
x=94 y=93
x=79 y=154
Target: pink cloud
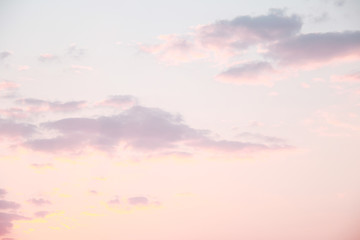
x=23 y=68
x=79 y=68
x=15 y=112
x=174 y=50
x=8 y=85
x=48 y=57
x=349 y=78
x=316 y=49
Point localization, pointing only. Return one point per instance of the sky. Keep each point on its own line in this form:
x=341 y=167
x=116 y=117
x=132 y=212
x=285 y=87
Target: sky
x=181 y=120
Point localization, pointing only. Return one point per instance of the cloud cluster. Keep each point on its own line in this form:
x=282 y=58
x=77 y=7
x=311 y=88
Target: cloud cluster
x=139 y=128
x=6 y=219
x=277 y=37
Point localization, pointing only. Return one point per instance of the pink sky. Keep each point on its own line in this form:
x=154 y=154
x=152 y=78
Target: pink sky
x=164 y=120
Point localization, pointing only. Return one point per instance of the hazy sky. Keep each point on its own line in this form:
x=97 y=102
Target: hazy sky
x=187 y=120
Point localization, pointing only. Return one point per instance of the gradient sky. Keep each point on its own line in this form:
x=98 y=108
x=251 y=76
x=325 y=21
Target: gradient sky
x=187 y=120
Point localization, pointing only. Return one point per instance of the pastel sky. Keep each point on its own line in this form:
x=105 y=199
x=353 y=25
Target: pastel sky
x=180 y=120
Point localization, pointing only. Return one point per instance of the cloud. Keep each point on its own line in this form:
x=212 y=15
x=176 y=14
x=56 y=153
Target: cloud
x=6 y=220
x=138 y=201
x=23 y=68
x=245 y=31
x=39 y=201
x=6 y=85
x=249 y=73
x=139 y=128
x=2 y=192
x=5 y=54
x=80 y=68
x=175 y=49
x=259 y=137
x=74 y=51
x=227 y=37
x=316 y=49
x=11 y=129
x=348 y=78
x=41 y=165
x=41 y=214
x=38 y=105
x=48 y=57
x=8 y=205
x=120 y=101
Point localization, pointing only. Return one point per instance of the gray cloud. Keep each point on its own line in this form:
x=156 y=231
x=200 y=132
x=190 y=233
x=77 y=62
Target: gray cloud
x=8 y=205
x=316 y=48
x=245 y=31
x=5 y=54
x=9 y=128
x=6 y=220
x=248 y=73
x=39 y=201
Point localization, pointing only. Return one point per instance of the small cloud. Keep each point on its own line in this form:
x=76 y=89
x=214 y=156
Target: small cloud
x=138 y=201
x=5 y=54
x=348 y=78
x=119 y=43
x=23 y=68
x=74 y=51
x=2 y=192
x=41 y=214
x=48 y=58
x=39 y=201
x=6 y=85
x=119 y=101
x=273 y=94
x=41 y=165
x=305 y=85
x=80 y=68
x=256 y=124
x=114 y=201
x=321 y=18
x=339 y=3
